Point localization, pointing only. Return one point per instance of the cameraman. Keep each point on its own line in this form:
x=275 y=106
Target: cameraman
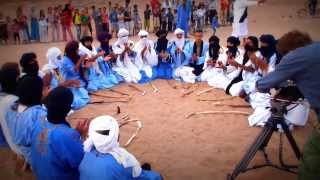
x=300 y=63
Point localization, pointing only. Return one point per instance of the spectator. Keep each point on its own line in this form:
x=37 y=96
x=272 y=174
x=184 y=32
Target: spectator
x=66 y=20
x=147 y=14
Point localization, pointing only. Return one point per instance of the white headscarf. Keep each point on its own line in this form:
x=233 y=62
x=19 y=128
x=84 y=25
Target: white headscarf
x=179 y=42
x=123 y=37
x=108 y=144
x=53 y=61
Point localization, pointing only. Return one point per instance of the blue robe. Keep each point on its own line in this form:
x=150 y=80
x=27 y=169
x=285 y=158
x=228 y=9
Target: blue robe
x=164 y=68
x=80 y=95
x=183 y=18
x=106 y=68
x=56 y=151
x=97 y=166
x=182 y=59
x=21 y=127
x=35 y=29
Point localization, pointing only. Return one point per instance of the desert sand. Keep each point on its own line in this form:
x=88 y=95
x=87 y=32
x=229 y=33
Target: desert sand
x=201 y=147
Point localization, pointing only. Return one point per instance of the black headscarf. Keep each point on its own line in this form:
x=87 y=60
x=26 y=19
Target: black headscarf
x=104 y=38
x=233 y=50
x=86 y=39
x=58 y=104
x=214 y=47
x=248 y=48
x=29 y=63
x=9 y=74
x=162 y=42
x=268 y=51
x=29 y=90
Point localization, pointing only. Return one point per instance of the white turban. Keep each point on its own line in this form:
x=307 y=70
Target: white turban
x=178 y=31
x=53 y=60
x=143 y=33
x=103 y=135
x=123 y=32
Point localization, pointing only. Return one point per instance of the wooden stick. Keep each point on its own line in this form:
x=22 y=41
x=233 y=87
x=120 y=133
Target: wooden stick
x=218 y=112
x=231 y=105
x=137 y=89
x=187 y=93
x=105 y=96
x=218 y=99
x=112 y=101
x=155 y=89
x=120 y=92
x=173 y=86
x=204 y=91
x=139 y=127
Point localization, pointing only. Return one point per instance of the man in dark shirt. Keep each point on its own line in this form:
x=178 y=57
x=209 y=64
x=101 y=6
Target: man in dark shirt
x=300 y=63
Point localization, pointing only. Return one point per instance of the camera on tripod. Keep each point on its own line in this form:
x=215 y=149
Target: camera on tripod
x=284 y=97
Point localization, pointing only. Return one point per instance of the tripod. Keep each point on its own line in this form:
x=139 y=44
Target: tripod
x=278 y=109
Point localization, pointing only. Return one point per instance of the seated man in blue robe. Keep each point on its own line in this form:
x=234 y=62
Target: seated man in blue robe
x=94 y=76
x=23 y=115
x=181 y=51
x=165 y=61
x=199 y=50
x=9 y=74
x=56 y=148
x=105 y=63
x=105 y=159
x=72 y=68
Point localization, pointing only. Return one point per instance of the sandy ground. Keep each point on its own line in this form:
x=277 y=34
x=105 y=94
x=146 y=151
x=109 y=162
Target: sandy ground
x=201 y=147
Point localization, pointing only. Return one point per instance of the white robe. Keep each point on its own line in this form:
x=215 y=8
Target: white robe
x=210 y=71
x=125 y=67
x=222 y=79
x=150 y=57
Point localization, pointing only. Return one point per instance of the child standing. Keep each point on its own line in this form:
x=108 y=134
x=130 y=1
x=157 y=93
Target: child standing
x=105 y=20
x=15 y=28
x=224 y=6
x=43 y=27
x=147 y=15
x=3 y=30
x=114 y=21
x=170 y=17
x=77 y=23
x=85 y=19
x=215 y=24
x=163 y=20
x=136 y=20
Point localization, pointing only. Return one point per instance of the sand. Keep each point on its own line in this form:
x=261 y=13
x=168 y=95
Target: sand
x=201 y=147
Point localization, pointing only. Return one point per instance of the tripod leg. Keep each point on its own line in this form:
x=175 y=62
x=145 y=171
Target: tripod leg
x=291 y=140
x=260 y=142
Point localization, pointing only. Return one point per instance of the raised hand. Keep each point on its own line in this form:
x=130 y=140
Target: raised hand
x=82 y=127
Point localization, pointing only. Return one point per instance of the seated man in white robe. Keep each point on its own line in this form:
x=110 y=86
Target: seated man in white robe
x=225 y=62
x=199 y=50
x=123 y=48
x=146 y=57
x=212 y=56
x=248 y=69
x=180 y=50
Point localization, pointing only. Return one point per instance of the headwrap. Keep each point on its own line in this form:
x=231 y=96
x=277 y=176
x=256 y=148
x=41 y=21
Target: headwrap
x=103 y=136
x=8 y=77
x=214 y=47
x=179 y=42
x=123 y=36
x=162 y=42
x=86 y=39
x=53 y=60
x=233 y=50
x=143 y=35
x=58 y=104
x=29 y=63
x=29 y=90
x=104 y=38
x=248 y=48
x=268 y=51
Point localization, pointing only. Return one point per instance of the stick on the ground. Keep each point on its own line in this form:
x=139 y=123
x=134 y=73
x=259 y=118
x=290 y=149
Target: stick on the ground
x=205 y=91
x=187 y=93
x=111 y=101
x=137 y=89
x=218 y=99
x=231 y=105
x=120 y=92
x=105 y=96
x=173 y=86
x=218 y=112
x=155 y=89
x=139 y=127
